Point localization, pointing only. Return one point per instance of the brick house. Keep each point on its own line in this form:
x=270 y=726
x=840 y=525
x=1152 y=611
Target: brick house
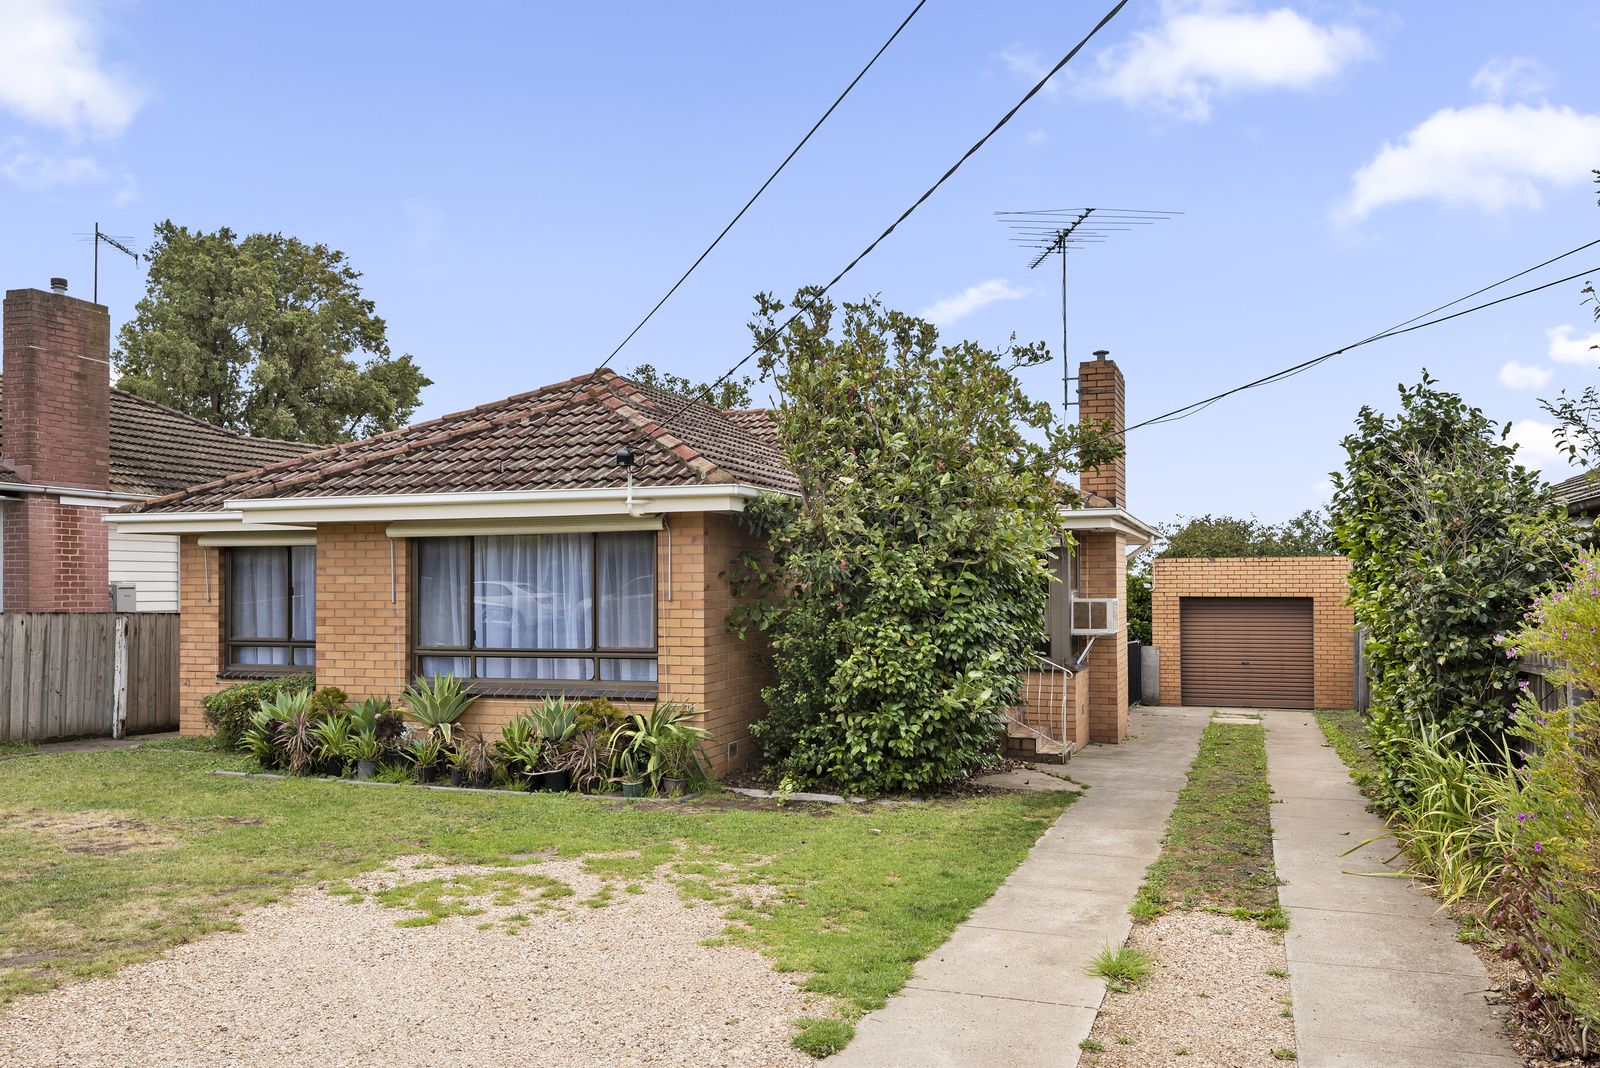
x=572 y=540
x=72 y=448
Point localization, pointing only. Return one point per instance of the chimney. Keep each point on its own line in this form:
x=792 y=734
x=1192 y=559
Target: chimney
x=55 y=428
x=1102 y=398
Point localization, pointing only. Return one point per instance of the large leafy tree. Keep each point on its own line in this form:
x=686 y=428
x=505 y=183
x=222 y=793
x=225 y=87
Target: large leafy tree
x=265 y=335
x=909 y=580
x=1307 y=534
x=1449 y=540
x=729 y=393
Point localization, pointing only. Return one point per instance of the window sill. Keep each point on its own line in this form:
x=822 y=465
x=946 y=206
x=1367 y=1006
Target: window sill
x=258 y=672
x=579 y=690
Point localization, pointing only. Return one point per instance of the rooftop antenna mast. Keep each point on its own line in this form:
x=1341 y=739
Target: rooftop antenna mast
x=1054 y=231
x=100 y=237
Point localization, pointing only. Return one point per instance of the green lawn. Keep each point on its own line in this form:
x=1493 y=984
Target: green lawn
x=1218 y=850
x=114 y=857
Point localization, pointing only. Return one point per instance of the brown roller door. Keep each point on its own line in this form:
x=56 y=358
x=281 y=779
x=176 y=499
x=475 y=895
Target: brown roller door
x=1246 y=652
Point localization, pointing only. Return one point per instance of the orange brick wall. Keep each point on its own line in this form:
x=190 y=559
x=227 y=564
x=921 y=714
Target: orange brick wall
x=362 y=619
x=1103 y=564
x=1321 y=578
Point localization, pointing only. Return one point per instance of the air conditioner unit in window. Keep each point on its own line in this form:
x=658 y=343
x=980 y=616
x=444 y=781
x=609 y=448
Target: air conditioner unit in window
x=1094 y=615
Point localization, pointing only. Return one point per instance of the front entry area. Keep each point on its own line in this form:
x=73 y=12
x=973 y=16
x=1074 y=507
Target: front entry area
x=1247 y=652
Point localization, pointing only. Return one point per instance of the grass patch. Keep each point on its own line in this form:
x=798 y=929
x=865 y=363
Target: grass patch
x=438 y=899
x=823 y=1038
x=1122 y=967
x=1351 y=737
x=862 y=891
x=1092 y=1045
x=1217 y=853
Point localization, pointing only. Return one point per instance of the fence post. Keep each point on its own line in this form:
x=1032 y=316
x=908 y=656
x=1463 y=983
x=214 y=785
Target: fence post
x=119 y=678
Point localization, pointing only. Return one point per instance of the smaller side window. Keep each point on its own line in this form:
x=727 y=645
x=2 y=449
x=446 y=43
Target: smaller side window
x=271 y=607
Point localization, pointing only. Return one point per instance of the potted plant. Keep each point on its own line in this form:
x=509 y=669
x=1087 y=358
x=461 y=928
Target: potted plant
x=456 y=757
x=626 y=772
x=475 y=758
x=425 y=752
x=365 y=747
x=520 y=749
x=666 y=747
x=378 y=713
x=293 y=738
x=557 y=723
x=259 y=739
x=332 y=734
x=437 y=705
x=587 y=762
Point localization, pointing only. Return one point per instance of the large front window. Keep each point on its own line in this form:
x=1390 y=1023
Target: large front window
x=272 y=607
x=542 y=609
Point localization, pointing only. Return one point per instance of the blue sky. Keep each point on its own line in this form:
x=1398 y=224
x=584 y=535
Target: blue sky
x=519 y=183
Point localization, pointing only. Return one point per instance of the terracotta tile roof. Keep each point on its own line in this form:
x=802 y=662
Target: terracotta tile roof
x=1580 y=493
x=157 y=450
x=563 y=436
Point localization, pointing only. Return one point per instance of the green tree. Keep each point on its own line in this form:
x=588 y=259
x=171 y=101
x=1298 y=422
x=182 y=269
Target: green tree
x=732 y=393
x=1307 y=534
x=258 y=334
x=1137 y=597
x=909 y=579
x=1449 y=539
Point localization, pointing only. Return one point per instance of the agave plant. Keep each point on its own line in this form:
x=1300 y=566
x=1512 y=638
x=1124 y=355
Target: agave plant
x=556 y=719
x=437 y=705
x=259 y=739
x=332 y=735
x=521 y=745
x=665 y=745
x=363 y=743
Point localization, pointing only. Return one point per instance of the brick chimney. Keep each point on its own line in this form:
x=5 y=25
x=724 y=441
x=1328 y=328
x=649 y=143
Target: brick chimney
x=1102 y=397
x=55 y=432
x=57 y=388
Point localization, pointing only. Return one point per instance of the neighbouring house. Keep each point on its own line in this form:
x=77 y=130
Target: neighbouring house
x=1581 y=496
x=574 y=540
x=72 y=448
x=1254 y=632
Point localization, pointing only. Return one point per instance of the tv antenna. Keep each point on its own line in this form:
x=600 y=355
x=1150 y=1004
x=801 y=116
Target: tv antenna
x=1051 y=231
x=100 y=237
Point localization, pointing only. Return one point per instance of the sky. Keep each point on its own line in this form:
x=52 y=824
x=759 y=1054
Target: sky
x=519 y=183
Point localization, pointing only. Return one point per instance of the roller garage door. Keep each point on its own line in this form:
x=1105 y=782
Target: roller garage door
x=1246 y=652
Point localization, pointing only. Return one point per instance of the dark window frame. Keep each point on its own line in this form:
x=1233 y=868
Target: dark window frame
x=593 y=653
x=232 y=668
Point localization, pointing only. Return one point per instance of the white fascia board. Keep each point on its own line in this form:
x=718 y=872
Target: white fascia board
x=1110 y=520
x=184 y=523
x=535 y=504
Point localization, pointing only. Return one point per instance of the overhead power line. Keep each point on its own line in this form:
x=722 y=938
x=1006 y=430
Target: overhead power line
x=757 y=194
x=1416 y=322
x=810 y=304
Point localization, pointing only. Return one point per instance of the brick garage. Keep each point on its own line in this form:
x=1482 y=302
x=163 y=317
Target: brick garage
x=1267 y=582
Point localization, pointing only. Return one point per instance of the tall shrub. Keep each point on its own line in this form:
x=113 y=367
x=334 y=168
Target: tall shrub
x=1550 y=908
x=1449 y=538
x=910 y=576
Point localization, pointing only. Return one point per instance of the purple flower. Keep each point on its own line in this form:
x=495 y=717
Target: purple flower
x=1538 y=847
x=1524 y=817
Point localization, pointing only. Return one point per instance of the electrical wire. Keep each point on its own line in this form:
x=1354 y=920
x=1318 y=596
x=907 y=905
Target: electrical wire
x=1416 y=322
x=810 y=304
x=757 y=194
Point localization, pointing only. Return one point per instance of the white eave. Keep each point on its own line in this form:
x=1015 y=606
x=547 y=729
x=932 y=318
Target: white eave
x=1109 y=520
x=301 y=513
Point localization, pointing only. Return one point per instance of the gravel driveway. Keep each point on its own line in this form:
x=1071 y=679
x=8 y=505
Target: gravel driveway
x=615 y=979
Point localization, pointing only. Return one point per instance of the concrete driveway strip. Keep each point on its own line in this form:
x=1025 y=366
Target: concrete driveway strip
x=1377 y=976
x=1009 y=986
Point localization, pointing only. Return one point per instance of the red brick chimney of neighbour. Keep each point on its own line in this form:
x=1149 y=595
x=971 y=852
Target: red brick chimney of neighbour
x=55 y=432
x=1102 y=396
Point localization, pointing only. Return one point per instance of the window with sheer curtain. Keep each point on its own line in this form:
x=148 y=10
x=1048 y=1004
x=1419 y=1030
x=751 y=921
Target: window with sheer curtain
x=539 y=609
x=272 y=607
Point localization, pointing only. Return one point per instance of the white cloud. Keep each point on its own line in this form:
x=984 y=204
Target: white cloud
x=1487 y=156
x=951 y=309
x=1207 y=48
x=51 y=72
x=1564 y=348
x=1516 y=76
x=1536 y=445
x=35 y=171
x=1515 y=375
x=1027 y=65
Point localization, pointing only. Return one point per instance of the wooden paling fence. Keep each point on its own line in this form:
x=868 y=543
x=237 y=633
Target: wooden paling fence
x=76 y=674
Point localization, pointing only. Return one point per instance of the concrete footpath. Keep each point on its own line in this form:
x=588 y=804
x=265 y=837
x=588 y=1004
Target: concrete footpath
x=1377 y=976
x=1009 y=986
